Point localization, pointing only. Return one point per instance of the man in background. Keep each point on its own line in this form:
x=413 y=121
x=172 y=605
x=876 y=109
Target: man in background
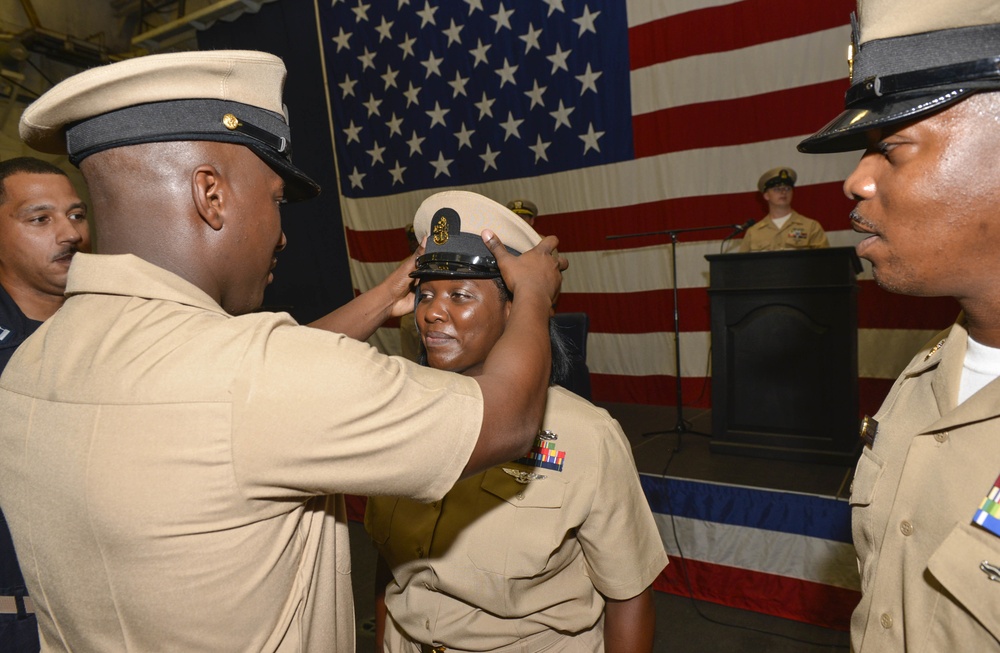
x=924 y=109
x=43 y=224
x=782 y=227
x=524 y=208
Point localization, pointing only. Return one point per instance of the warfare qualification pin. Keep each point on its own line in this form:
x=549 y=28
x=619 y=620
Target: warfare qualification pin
x=523 y=477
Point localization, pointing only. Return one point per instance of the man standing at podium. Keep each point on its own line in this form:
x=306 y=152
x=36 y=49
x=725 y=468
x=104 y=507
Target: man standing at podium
x=782 y=227
x=924 y=108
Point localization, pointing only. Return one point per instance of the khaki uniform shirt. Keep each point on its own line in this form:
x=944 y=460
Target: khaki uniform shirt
x=409 y=338
x=497 y=560
x=167 y=466
x=914 y=495
x=798 y=232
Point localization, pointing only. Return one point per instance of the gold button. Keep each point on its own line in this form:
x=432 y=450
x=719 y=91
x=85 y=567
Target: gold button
x=886 y=620
x=942 y=436
x=906 y=528
x=230 y=121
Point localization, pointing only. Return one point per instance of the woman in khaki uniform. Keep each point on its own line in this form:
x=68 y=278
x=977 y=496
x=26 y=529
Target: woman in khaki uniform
x=554 y=551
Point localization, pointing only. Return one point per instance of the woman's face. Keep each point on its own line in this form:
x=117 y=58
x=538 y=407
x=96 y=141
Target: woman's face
x=459 y=321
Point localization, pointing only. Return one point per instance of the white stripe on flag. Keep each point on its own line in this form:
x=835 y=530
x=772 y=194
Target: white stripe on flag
x=770 y=552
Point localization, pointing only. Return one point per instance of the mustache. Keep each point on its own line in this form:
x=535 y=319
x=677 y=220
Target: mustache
x=68 y=251
x=858 y=219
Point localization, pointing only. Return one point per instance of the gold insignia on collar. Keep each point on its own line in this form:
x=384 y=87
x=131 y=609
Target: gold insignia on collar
x=868 y=431
x=441 y=231
x=850 y=62
x=934 y=349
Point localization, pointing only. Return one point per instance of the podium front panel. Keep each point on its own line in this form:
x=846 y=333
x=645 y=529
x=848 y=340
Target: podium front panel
x=784 y=352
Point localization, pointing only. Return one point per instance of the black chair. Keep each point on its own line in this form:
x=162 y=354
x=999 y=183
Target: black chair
x=575 y=327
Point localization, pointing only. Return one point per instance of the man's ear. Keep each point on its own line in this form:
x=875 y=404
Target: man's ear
x=206 y=186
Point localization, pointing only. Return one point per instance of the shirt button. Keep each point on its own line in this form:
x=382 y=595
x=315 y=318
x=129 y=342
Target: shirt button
x=427 y=624
x=420 y=552
x=906 y=528
x=520 y=496
x=942 y=436
x=886 y=620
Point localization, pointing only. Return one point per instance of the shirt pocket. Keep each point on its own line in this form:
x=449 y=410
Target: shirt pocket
x=378 y=517
x=521 y=526
x=955 y=564
x=866 y=477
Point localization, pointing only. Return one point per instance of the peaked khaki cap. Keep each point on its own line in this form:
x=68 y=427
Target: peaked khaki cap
x=217 y=95
x=912 y=58
x=783 y=176
x=453 y=222
x=524 y=208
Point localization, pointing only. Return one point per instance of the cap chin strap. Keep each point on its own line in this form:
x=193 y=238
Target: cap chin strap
x=984 y=72
x=453 y=265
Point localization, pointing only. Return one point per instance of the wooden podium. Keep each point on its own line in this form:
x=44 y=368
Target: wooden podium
x=785 y=354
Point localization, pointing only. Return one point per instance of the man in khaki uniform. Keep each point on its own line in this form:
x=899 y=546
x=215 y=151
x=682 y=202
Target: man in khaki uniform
x=923 y=105
x=171 y=458
x=782 y=227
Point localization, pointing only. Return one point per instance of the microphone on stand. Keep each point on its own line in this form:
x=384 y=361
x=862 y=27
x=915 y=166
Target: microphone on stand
x=737 y=229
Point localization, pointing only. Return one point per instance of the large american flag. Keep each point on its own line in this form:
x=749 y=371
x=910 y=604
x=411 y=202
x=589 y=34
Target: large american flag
x=614 y=117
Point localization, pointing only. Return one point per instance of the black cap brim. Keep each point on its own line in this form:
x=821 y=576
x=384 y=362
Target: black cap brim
x=298 y=185
x=847 y=131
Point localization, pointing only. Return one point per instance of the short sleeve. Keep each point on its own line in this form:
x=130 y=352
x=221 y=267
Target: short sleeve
x=621 y=542
x=319 y=413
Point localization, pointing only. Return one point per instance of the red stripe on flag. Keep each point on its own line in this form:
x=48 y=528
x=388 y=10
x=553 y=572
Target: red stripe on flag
x=378 y=245
x=731 y=27
x=871 y=394
x=660 y=390
x=616 y=312
x=655 y=390
x=791 y=598
x=737 y=121
x=355 y=506
x=881 y=309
